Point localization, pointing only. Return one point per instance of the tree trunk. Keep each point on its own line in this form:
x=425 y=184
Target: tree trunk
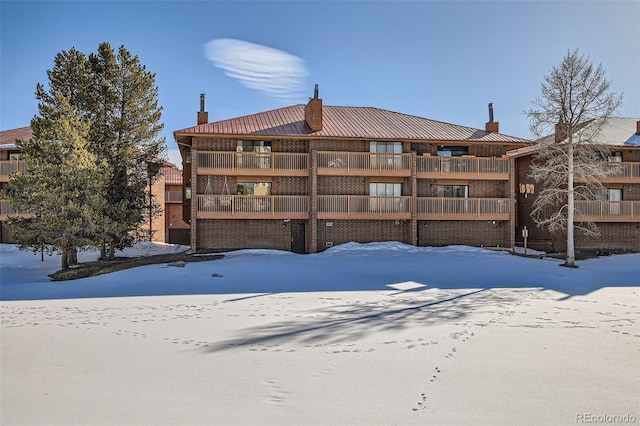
x=65 y=260
x=571 y=257
x=112 y=250
x=103 y=250
x=73 y=257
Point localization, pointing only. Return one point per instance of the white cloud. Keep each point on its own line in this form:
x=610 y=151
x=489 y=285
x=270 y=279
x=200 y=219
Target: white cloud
x=273 y=72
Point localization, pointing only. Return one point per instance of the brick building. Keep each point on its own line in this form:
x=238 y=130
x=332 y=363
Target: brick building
x=615 y=210
x=306 y=177
x=165 y=192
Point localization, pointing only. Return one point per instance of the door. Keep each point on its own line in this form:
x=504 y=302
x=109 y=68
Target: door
x=298 y=238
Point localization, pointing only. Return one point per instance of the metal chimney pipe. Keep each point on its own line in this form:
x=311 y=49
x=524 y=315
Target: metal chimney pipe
x=202 y=96
x=490 y=112
x=315 y=92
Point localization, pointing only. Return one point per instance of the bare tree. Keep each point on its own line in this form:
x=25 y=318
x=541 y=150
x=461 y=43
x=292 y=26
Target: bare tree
x=576 y=102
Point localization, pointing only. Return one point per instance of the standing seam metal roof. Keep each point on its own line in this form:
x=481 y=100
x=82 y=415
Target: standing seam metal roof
x=347 y=122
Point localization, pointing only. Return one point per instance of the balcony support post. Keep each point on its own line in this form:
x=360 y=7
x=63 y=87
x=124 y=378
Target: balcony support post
x=313 y=204
x=413 y=224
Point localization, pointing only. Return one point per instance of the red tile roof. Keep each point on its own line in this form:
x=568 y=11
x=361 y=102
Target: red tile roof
x=172 y=175
x=347 y=122
x=8 y=137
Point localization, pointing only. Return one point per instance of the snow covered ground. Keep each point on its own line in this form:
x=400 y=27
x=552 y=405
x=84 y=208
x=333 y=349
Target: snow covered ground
x=381 y=333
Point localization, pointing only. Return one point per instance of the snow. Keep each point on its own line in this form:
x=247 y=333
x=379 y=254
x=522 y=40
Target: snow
x=378 y=333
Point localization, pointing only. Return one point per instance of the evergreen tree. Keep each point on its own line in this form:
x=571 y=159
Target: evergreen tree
x=60 y=196
x=125 y=116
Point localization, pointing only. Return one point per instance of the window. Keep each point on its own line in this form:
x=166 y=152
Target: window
x=387 y=155
x=391 y=191
x=609 y=194
x=386 y=147
x=385 y=189
x=254 y=146
x=453 y=191
x=15 y=155
x=247 y=157
x=254 y=188
x=452 y=151
x=258 y=200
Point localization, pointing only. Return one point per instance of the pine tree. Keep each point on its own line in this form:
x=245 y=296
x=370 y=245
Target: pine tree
x=125 y=116
x=60 y=196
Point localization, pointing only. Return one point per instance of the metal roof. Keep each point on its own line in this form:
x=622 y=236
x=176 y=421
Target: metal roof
x=172 y=175
x=8 y=137
x=617 y=131
x=346 y=122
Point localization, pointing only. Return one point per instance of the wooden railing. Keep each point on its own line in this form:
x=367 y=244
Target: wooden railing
x=622 y=172
x=363 y=207
x=463 y=208
x=253 y=207
x=607 y=211
x=172 y=196
x=363 y=163
x=463 y=167
x=8 y=167
x=253 y=163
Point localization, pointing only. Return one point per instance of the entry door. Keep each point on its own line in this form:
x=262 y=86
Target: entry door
x=298 y=238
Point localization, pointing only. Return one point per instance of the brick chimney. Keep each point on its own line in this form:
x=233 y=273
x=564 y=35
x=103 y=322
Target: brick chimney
x=203 y=116
x=491 y=126
x=313 y=112
x=560 y=131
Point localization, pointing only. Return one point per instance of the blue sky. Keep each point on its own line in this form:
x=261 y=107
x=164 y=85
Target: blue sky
x=440 y=60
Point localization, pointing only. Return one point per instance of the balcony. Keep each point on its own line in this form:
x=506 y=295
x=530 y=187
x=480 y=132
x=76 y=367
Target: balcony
x=607 y=211
x=253 y=207
x=253 y=163
x=463 y=168
x=342 y=163
x=463 y=208
x=9 y=167
x=363 y=207
x=622 y=173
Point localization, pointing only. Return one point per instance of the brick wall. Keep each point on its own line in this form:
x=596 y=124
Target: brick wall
x=214 y=144
x=473 y=233
x=286 y=145
x=343 y=185
x=334 y=145
x=362 y=231
x=237 y=234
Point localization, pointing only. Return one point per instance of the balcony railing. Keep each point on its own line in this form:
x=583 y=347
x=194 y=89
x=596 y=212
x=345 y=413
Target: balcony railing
x=172 y=196
x=363 y=207
x=9 y=167
x=253 y=207
x=363 y=163
x=463 y=208
x=463 y=168
x=622 y=172
x=253 y=163
x=607 y=211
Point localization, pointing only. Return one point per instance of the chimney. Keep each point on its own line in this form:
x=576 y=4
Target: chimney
x=313 y=112
x=638 y=127
x=203 y=116
x=491 y=126
x=560 y=131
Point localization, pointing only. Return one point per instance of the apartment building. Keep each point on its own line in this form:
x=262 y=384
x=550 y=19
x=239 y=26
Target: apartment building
x=306 y=177
x=615 y=210
x=166 y=226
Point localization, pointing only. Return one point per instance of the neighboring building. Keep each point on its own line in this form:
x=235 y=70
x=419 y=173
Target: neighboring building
x=176 y=230
x=306 y=177
x=11 y=161
x=616 y=210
